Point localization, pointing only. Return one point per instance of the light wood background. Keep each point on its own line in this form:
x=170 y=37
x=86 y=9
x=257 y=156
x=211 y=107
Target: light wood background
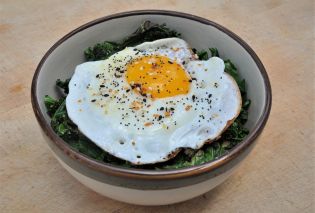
x=278 y=176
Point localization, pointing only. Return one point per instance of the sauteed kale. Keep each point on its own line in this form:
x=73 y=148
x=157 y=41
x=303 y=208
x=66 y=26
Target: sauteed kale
x=68 y=131
x=146 y=32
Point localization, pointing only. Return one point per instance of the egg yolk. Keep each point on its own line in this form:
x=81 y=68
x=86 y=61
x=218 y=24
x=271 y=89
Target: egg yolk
x=157 y=77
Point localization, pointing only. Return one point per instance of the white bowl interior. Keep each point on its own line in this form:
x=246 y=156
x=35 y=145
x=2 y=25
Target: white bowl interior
x=63 y=60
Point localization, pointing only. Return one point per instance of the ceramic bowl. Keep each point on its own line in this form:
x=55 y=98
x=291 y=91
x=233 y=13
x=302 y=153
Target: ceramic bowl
x=150 y=187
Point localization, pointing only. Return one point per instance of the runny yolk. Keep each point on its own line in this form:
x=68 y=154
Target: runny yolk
x=157 y=76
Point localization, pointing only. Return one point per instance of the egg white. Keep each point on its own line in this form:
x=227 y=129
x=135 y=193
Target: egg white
x=214 y=101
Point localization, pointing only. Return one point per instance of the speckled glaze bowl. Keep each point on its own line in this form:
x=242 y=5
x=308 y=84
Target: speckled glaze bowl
x=148 y=187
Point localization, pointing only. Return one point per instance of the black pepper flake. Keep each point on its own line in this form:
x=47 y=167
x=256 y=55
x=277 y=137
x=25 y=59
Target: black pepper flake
x=160 y=117
x=117 y=76
x=170 y=62
x=162 y=108
x=102 y=85
x=210 y=95
x=193 y=98
x=93 y=100
x=106 y=95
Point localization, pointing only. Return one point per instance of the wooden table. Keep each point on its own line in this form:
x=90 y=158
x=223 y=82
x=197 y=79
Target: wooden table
x=277 y=177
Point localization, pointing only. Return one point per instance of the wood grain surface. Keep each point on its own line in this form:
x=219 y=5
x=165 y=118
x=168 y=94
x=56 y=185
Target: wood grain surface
x=278 y=176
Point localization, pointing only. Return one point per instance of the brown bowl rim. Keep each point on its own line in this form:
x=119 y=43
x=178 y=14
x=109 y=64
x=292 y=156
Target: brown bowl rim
x=142 y=173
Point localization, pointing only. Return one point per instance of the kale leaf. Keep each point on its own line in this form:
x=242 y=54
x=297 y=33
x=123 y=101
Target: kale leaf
x=62 y=125
x=101 y=51
x=146 y=32
x=232 y=70
x=214 y=52
x=203 y=155
x=203 y=54
x=64 y=85
x=51 y=104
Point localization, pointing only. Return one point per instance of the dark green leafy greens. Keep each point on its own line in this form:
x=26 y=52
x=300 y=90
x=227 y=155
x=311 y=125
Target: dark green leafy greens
x=203 y=54
x=63 y=85
x=68 y=131
x=146 y=32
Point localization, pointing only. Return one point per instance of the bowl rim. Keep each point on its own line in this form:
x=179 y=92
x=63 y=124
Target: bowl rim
x=142 y=173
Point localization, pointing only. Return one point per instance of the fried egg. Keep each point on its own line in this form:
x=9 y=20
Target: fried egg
x=144 y=103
